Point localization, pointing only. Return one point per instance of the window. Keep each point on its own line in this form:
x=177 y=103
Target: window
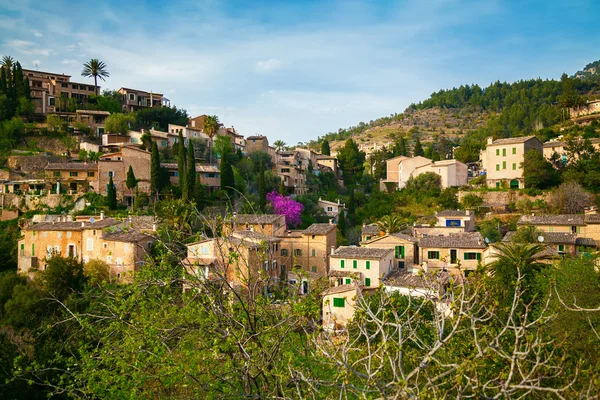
x=497 y=183
x=284 y=170
x=73 y=173
x=313 y=253
x=514 y=166
x=367 y=281
x=298 y=252
x=503 y=152
x=561 y=247
x=348 y=281
x=111 y=173
x=57 y=174
x=90 y=244
x=368 y=265
x=497 y=152
x=342 y=263
x=503 y=164
x=275 y=247
x=32 y=249
x=401 y=264
x=65 y=85
x=354 y=264
x=472 y=256
x=91 y=174
x=433 y=255
x=174 y=173
x=497 y=167
x=329 y=209
x=514 y=150
x=131 y=96
x=399 y=252
x=284 y=252
x=339 y=302
x=204 y=250
x=314 y=268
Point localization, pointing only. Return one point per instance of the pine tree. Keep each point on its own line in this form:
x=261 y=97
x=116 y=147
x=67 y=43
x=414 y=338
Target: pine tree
x=341 y=225
x=400 y=147
x=181 y=166
x=418 y=150
x=325 y=148
x=111 y=194
x=351 y=204
x=155 y=170
x=190 y=178
x=262 y=190
x=282 y=189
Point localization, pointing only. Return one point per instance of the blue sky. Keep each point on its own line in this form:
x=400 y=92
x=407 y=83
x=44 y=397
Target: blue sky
x=294 y=70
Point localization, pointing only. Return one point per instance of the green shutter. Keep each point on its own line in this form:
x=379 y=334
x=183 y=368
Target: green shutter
x=466 y=256
x=397 y=252
x=368 y=264
x=478 y=256
x=354 y=263
x=401 y=251
x=32 y=249
x=339 y=302
x=348 y=281
x=342 y=262
x=367 y=281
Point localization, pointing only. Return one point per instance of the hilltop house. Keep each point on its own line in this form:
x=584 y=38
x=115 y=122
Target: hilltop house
x=365 y=266
x=458 y=251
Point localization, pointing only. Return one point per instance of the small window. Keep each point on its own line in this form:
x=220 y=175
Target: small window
x=561 y=247
x=503 y=164
x=131 y=96
x=339 y=302
x=91 y=174
x=57 y=174
x=433 y=255
x=514 y=166
x=514 y=150
x=298 y=252
x=497 y=167
x=342 y=263
x=354 y=264
x=367 y=281
x=348 y=281
x=314 y=268
x=73 y=173
x=472 y=256
x=368 y=265
x=497 y=152
x=284 y=252
x=313 y=253
x=503 y=152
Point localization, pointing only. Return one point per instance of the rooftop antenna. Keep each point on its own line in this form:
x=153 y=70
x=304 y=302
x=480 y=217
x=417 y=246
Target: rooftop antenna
x=37 y=67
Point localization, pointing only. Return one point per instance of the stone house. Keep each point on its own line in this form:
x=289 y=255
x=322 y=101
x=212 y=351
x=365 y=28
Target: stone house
x=339 y=304
x=456 y=218
x=366 y=266
x=451 y=172
x=563 y=243
x=72 y=177
x=117 y=164
x=455 y=252
x=331 y=208
x=308 y=249
x=208 y=175
x=583 y=225
x=257 y=143
x=404 y=246
x=134 y=99
x=502 y=160
x=369 y=232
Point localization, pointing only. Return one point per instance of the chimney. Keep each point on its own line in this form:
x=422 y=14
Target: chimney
x=154 y=227
x=490 y=140
x=101 y=215
x=82 y=224
x=330 y=221
x=332 y=249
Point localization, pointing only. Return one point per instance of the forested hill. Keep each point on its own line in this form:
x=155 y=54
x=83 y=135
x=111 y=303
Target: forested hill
x=501 y=110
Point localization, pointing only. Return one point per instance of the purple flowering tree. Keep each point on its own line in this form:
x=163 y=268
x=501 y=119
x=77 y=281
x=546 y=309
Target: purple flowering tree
x=285 y=205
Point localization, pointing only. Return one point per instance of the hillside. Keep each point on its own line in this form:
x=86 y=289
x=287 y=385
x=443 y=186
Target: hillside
x=502 y=109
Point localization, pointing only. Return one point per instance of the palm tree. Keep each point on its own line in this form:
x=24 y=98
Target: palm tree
x=390 y=223
x=8 y=62
x=97 y=69
x=211 y=127
x=279 y=145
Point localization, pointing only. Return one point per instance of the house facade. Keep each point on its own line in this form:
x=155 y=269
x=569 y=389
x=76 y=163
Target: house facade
x=134 y=99
x=117 y=165
x=360 y=265
x=454 y=253
x=72 y=177
x=332 y=208
x=456 y=218
x=405 y=249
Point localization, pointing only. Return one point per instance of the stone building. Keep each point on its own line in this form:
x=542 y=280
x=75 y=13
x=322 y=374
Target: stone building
x=134 y=100
x=456 y=218
x=72 y=177
x=455 y=252
x=361 y=265
x=117 y=164
x=404 y=246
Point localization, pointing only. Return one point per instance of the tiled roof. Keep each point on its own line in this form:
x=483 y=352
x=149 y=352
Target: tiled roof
x=583 y=241
x=75 y=166
x=466 y=240
x=73 y=225
x=371 y=229
x=255 y=137
x=549 y=237
x=592 y=219
x=428 y=280
x=126 y=236
x=552 y=219
x=319 y=229
x=257 y=218
x=254 y=236
x=404 y=237
x=92 y=112
x=199 y=168
x=339 y=289
x=452 y=213
x=360 y=252
x=513 y=140
x=341 y=274
x=198 y=261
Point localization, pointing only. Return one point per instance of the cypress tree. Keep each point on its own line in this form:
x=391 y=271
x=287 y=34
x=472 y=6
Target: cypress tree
x=325 y=148
x=262 y=190
x=111 y=194
x=155 y=170
x=282 y=190
x=3 y=81
x=418 y=150
x=190 y=178
x=227 y=179
x=341 y=225
x=131 y=182
x=181 y=166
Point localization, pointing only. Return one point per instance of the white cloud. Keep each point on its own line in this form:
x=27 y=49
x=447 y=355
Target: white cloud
x=28 y=48
x=36 y=63
x=268 y=66
x=69 y=61
x=36 y=33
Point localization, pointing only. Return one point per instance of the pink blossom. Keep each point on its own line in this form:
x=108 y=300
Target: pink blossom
x=285 y=205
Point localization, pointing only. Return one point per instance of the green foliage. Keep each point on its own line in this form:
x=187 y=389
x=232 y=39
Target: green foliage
x=211 y=127
x=118 y=123
x=227 y=176
x=95 y=69
x=131 y=181
x=489 y=229
x=181 y=166
x=471 y=201
x=62 y=277
x=111 y=194
x=428 y=184
x=538 y=172
x=109 y=100
x=325 y=148
x=418 y=149
x=9 y=236
x=159 y=118
x=190 y=179
x=262 y=189
x=14 y=92
x=448 y=199
x=351 y=161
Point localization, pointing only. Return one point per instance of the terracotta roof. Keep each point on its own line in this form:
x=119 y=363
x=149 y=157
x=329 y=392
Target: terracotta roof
x=255 y=137
x=397 y=235
x=339 y=289
x=360 y=252
x=445 y=162
x=513 y=140
x=552 y=219
x=257 y=218
x=126 y=236
x=424 y=280
x=324 y=157
x=342 y=274
x=452 y=213
x=371 y=229
x=75 y=166
x=467 y=240
x=319 y=229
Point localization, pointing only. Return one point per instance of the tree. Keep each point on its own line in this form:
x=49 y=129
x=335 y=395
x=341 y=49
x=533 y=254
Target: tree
x=262 y=189
x=428 y=184
x=325 y=150
x=400 y=147
x=569 y=198
x=285 y=205
x=538 y=172
x=351 y=161
x=227 y=176
x=418 y=149
x=341 y=225
x=111 y=194
x=211 y=127
x=181 y=166
x=97 y=69
x=190 y=178
x=131 y=181
x=155 y=180
x=118 y=123
x=62 y=276
x=279 y=145
x=390 y=223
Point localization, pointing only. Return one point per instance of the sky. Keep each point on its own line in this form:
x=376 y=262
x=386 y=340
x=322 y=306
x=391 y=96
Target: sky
x=295 y=70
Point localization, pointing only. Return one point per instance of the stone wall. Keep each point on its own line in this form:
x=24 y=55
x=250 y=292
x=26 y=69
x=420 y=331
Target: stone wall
x=30 y=164
x=31 y=202
x=504 y=198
